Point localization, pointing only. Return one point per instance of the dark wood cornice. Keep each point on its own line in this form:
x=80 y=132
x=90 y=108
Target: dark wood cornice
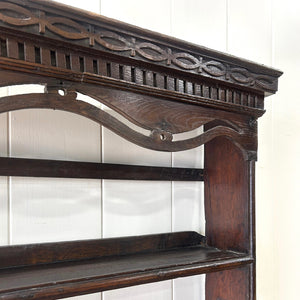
x=58 y=21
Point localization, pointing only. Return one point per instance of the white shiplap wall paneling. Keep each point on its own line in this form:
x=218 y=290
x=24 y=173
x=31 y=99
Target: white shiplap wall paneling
x=188 y=214
x=286 y=150
x=188 y=197
x=53 y=209
x=200 y=21
x=96 y=296
x=88 y=5
x=135 y=207
x=4 y=211
x=119 y=150
x=151 y=291
x=154 y=15
x=4 y=204
x=44 y=209
x=249 y=25
x=191 y=288
x=3 y=127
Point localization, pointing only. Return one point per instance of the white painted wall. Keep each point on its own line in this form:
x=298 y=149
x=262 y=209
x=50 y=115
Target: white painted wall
x=36 y=210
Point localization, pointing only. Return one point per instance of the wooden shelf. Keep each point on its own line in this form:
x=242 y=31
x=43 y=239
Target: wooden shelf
x=163 y=85
x=61 y=269
x=12 y=166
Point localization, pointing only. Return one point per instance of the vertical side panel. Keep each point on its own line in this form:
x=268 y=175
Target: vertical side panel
x=228 y=285
x=226 y=196
x=228 y=222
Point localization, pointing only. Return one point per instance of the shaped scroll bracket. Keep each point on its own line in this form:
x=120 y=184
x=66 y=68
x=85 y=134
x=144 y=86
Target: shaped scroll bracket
x=64 y=98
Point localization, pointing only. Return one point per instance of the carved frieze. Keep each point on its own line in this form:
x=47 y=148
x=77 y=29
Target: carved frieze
x=130 y=45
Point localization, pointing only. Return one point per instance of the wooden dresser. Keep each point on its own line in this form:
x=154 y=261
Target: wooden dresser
x=167 y=87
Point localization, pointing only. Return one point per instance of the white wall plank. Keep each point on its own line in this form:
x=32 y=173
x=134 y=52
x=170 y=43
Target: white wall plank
x=188 y=214
x=89 y=5
x=249 y=30
x=200 y=21
x=54 y=135
x=152 y=291
x=119 y=150
x=45 y=210
x=188 y=207
x=3 y=127
x=188 y=197
x=4 y=213
x=95 y=296
x=191 y=288
x=286 y=150
x=134 y=208
x=154 y=15
x=53 y=209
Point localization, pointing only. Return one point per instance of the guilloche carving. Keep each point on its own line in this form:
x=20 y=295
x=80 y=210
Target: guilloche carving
x=130 y=46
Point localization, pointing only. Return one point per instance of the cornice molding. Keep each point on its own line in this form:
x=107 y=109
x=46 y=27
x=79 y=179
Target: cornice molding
x=83 y=31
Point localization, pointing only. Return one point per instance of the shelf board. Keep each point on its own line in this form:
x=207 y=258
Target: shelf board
x=12 y=166
x=172 y=255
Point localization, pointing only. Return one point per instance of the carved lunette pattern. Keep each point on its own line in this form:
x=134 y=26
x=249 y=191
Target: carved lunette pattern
x=130 y=46
x=157 y=140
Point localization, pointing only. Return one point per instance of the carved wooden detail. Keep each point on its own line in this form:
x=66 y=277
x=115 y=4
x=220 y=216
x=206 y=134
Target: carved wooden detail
x=158 y=92
x=160 y=136
x=12 y=13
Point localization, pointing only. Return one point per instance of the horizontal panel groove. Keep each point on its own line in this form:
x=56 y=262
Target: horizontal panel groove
x=81 y=267
x=73 y=169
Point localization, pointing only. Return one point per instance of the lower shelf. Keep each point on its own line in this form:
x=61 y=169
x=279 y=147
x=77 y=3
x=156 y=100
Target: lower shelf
x=170 y=256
